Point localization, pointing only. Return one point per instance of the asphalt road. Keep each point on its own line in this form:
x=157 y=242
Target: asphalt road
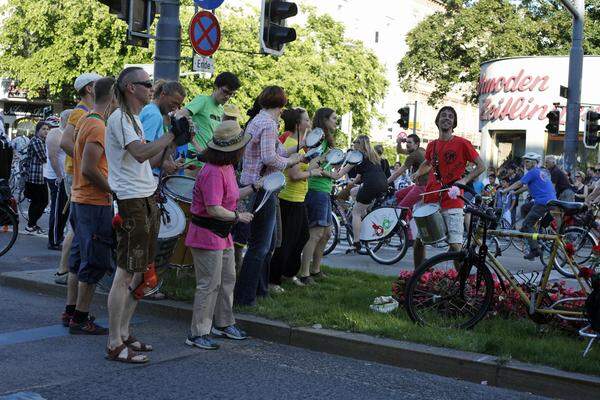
x=41 y=361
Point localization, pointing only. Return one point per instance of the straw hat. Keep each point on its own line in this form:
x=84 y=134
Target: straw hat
x=231 y=110
x=228 y=136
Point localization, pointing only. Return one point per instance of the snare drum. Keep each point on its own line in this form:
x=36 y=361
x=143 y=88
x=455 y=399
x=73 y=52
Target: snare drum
x=172 y=225
x=430 y=223
x=180 y=188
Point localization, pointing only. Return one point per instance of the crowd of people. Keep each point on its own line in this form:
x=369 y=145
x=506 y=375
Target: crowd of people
x=103 y=157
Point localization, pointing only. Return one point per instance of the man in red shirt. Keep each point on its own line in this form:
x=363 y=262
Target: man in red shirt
x=447 y=156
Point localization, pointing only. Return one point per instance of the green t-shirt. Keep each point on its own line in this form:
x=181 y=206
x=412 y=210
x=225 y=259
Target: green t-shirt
x=206 y=114
x=322 y=183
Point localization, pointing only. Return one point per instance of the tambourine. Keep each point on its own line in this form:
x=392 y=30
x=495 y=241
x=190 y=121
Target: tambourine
x=314 y=138
x=334 y=157
x=272 y=183
x=354 y=157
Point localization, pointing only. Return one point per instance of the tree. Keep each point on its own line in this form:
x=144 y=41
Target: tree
x=448 y=47
x=48 y=44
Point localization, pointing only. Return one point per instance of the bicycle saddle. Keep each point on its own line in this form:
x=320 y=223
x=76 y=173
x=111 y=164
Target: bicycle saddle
x=568 y=206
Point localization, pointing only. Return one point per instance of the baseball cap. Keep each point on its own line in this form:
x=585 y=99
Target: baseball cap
x=85 y=79
x=531 y=156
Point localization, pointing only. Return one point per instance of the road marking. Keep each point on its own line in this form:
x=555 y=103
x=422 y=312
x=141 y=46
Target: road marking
x=46 y=332
x=22 y=396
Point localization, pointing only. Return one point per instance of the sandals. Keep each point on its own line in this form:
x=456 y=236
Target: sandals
x=136 y=345
x=131 y=357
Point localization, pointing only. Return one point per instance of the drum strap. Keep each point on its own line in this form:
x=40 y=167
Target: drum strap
x=218 y=227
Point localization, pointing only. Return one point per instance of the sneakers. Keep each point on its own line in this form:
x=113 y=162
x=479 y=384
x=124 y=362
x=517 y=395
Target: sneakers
x=61 y=279
x=35 y=229
x=66 y=319
x=203 y=342
x=296 y=281
x=319 y=275
x=276 y=289
x=533 y=254
x=88 y=327
x=307 y=280
x=230 y=332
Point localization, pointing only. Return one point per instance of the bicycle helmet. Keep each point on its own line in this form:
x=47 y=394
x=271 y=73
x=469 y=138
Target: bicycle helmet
x=53 y=121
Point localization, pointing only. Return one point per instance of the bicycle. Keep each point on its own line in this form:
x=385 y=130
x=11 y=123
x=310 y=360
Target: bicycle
x=9 y=220
x=387 y=250
x=463 y=293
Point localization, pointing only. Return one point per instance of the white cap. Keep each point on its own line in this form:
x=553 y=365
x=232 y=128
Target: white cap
x=532 y=156
x=85 y=79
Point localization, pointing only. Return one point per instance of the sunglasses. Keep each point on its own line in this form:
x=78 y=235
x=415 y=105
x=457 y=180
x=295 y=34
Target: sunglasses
x=146 y=84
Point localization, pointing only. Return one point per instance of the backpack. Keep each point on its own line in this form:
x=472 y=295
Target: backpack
x=6 y=157
x=592 y=304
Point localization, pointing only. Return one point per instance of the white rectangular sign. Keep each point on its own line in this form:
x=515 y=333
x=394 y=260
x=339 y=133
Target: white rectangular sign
x=203 y=64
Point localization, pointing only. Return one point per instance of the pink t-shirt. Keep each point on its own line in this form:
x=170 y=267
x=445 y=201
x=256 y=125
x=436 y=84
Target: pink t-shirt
x=215 y=186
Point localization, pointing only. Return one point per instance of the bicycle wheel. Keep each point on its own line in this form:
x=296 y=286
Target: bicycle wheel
x=9 y=229
x=504 y=242
x=582 y=241
x=392 y=249
x=435 y=296
x=335 y=235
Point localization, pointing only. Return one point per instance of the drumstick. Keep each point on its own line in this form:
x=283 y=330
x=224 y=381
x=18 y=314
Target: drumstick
x=435 y=191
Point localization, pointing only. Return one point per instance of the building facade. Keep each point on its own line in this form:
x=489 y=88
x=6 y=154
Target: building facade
x=516 y=94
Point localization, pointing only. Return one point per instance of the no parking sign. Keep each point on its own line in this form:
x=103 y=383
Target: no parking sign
x=205 y=33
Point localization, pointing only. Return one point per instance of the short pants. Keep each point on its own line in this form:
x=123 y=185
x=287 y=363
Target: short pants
x=92 y=250
x=318 y=207
x=136 y=237
x=455 y=225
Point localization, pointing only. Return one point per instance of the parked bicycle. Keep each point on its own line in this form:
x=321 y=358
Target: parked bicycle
x=464 y=295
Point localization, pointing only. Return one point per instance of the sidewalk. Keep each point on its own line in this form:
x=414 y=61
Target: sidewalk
x=472 y=367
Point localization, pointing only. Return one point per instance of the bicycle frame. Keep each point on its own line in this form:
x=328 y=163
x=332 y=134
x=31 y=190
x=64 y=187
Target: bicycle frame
x=534 y=303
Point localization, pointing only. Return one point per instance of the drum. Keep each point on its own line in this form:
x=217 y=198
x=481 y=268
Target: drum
x=379 y=223
x=180 y=188
x=172 y=226
x=314 y=138
x=430 y=223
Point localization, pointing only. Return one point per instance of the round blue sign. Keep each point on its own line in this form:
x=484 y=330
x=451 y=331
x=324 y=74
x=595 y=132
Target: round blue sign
x=208 y=4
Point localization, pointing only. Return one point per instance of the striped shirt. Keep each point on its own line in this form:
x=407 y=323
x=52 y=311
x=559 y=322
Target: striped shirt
x=264 y=153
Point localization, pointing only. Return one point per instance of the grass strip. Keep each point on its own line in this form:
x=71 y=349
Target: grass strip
x=341 y=301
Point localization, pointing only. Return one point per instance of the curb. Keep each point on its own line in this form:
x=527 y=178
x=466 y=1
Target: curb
x=473 y=367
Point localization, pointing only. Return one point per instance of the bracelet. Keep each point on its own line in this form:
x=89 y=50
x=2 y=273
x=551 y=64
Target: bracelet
x=237 y=216
x=254 y=189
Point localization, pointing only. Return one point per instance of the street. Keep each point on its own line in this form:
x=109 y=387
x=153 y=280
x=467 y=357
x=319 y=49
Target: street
x=45 y=360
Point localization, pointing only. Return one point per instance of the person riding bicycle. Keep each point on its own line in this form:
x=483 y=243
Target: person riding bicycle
x=373 y=183
x=448 y=156
x=539 y=185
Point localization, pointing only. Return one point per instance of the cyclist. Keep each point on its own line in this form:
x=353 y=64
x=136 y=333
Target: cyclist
x=373 y=180
x=539 y=184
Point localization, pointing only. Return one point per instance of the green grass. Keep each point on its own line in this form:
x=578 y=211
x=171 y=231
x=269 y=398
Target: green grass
x=342 y=301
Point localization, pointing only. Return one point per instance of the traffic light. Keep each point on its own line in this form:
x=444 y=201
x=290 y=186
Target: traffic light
x=553 y=122
x=590 y=131
x=138 y=14
x=404 y=117
x=274 y=33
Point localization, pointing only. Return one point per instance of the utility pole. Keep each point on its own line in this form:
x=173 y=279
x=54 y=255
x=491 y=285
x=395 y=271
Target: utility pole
x=577 y=9
x=167 y=54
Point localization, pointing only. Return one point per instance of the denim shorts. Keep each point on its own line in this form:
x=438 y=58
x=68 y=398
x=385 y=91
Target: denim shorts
x=92 y=250
x=318 y=207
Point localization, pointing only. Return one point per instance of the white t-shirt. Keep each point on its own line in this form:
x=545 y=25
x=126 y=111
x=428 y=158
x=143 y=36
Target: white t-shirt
x=54 y=135
x=126 y=176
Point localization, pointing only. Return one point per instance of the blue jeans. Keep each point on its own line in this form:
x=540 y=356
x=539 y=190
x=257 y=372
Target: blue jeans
x=254 y=274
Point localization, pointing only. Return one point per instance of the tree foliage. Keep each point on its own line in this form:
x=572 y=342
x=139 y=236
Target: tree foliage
x=48 y=44
x=448 y=47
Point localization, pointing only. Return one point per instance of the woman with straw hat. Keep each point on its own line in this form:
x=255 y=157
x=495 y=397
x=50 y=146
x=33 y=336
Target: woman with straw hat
x=213 y=209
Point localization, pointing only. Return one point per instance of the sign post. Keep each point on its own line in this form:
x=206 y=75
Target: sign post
x=577 y=9
x=168 y=42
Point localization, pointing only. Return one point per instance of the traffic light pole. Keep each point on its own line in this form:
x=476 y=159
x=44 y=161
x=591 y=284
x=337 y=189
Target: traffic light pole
x=167 y=54
x=415 y=119
x=576 y=7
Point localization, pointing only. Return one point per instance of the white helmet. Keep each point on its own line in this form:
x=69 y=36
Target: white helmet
x=532 y=156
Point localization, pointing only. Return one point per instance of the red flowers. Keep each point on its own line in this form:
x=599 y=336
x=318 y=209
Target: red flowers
x=570 y=249
x=117 y=221
x=586 y=272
